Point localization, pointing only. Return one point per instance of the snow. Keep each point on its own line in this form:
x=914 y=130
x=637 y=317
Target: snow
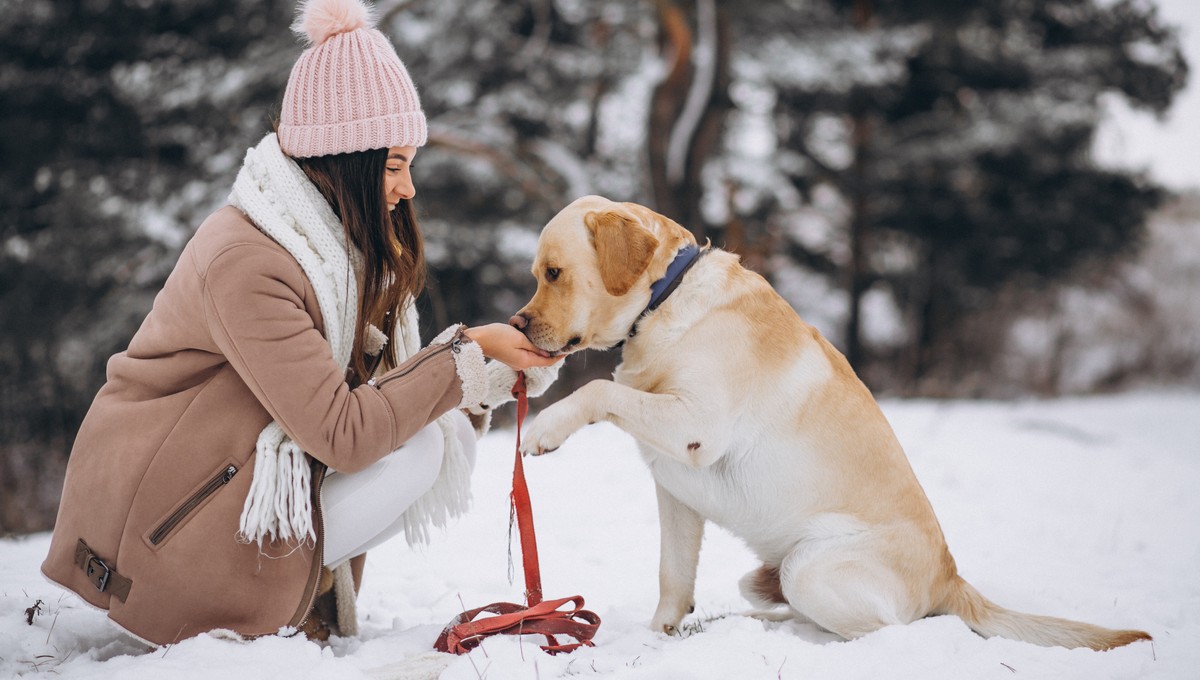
x=1084 y=508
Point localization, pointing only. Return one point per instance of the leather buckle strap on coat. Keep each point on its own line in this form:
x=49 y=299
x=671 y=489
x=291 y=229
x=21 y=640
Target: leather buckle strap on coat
x=538 y=617
x=100 y=574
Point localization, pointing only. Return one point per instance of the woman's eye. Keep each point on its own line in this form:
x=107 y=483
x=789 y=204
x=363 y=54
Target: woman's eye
x=552 y=273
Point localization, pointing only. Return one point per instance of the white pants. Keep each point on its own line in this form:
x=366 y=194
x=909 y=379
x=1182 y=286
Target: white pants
x=363 y=509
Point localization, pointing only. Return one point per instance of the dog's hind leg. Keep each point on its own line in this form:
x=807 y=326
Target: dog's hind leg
x=775 y=615
x=682 y=531
x=842 y=589
x=761 y=587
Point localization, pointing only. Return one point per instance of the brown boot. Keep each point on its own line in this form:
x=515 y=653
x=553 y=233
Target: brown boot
x=322 y=620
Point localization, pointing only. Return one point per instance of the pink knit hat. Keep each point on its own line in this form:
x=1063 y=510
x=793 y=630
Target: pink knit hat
x=348 y=91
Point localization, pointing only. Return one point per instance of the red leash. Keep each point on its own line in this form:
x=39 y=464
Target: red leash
x=538 y=617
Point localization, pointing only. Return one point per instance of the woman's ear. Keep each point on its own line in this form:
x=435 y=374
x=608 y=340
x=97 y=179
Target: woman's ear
x=623 y=246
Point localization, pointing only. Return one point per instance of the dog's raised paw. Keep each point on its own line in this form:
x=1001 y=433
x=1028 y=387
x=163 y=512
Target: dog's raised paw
x=551 y=428
x=539 y=445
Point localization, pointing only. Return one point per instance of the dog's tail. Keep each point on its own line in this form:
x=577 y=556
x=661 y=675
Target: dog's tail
x=989 y=619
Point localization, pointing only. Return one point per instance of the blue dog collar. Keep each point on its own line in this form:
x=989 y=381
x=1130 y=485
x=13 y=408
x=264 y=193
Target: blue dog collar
x=661 y=289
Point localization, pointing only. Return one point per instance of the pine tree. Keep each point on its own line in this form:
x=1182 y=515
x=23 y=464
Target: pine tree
x=117 y=119
x=955 y=139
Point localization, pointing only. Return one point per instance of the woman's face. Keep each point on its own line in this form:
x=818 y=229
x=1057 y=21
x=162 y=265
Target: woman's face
x=397 y=178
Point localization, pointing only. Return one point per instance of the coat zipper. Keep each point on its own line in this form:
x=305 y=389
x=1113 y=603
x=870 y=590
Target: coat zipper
x=380 y=382
x=314 y=575
x=196 y=499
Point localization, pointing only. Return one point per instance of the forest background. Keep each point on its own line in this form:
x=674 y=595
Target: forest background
x=918 y=179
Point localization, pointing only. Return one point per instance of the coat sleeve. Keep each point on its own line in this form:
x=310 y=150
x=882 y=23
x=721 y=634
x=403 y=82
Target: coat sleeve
x=255 y=309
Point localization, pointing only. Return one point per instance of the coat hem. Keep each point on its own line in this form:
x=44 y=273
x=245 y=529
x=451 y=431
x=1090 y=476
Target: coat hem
x=72 y=591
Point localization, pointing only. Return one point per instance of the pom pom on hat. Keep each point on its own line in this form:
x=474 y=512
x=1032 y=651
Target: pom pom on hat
x=320 y=20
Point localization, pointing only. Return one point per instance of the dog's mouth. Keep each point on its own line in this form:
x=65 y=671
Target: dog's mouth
x=576 y=344
x=573 y=345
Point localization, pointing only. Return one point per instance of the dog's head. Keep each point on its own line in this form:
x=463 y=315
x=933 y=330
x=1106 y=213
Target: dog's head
x=594 y=265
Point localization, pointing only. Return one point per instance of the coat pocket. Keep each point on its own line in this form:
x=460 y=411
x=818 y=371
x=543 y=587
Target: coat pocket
x=187 y=508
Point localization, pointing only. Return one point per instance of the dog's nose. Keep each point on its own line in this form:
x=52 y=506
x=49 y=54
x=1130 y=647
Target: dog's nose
x=519 y=321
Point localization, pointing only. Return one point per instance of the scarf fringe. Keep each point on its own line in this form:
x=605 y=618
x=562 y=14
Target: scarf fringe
x=450 y=495
x=279 y=503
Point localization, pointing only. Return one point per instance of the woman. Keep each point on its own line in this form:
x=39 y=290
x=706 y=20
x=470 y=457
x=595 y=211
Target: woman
x=275 y=413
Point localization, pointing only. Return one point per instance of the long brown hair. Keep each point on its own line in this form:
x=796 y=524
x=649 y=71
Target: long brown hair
x=390 y=242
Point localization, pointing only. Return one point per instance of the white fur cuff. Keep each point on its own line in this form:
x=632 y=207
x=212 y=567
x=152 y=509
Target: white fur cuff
x=468 y=362
x=447 y=335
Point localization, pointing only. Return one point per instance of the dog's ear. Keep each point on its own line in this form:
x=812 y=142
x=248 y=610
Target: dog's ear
x=623 y=246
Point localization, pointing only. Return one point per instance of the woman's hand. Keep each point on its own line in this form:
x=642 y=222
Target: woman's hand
x=509 y=346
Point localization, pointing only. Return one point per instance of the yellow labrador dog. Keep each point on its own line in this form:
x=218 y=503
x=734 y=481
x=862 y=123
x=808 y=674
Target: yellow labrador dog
x=749 y=418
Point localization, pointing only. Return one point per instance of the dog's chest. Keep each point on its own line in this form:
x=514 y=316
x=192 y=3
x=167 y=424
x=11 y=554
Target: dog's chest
x=722 y=492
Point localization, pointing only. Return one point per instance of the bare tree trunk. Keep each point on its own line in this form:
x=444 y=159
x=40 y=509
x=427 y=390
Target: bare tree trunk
x=857 y=274
x=687 y=108
x=926 y=321
x=675 y=42
x=857 y=268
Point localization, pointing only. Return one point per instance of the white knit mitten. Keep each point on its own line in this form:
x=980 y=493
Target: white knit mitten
x=539 y=379
x=500 y=379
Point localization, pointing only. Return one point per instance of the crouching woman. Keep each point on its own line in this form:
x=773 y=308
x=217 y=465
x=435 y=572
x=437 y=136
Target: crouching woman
x=274 y=416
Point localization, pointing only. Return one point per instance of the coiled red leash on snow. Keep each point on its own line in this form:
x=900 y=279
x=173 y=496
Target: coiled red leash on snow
x=537 y=617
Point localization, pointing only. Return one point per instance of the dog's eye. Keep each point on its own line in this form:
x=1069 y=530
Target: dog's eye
x=552 y=273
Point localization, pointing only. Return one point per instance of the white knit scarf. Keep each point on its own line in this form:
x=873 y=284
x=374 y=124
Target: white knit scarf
x=277 y=196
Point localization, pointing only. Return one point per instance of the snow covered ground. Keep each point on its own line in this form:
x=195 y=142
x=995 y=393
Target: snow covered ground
x=1083 y=508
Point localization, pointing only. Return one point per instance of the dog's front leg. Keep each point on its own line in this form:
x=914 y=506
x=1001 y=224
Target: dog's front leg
x=694 y=432
x=558 y=421
x=682 y=530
